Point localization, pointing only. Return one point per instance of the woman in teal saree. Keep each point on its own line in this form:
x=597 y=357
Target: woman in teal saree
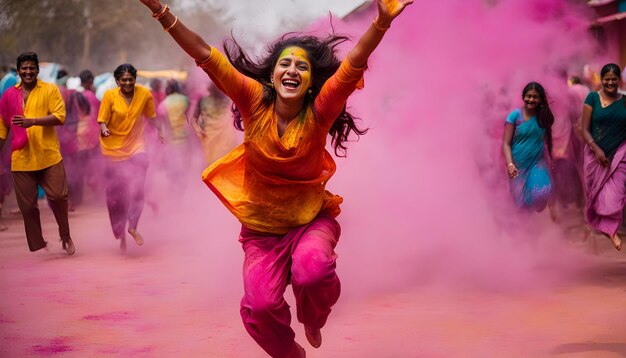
x=527 y=133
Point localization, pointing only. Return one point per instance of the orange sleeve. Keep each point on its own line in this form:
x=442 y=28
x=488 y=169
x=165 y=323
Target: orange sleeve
x=336 y=90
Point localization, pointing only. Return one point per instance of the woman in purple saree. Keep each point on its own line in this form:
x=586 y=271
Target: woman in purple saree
x=604 y=131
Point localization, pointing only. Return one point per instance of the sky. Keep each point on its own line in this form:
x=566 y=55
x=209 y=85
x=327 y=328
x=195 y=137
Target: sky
x=266 y=18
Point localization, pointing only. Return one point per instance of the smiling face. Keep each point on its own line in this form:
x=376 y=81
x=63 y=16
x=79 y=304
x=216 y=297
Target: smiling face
x=532 y=99
x=292 y=73
x=126 y=83
x=28 y=72
x=610 y=83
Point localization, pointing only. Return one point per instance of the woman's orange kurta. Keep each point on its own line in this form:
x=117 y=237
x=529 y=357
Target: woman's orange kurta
x=270 y=183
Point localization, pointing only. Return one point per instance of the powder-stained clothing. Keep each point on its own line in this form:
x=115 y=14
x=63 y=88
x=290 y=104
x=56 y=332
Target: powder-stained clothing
x=532 y=188
x=38 y=161
x=213 y=125
x=174 y=110
x=606 y=185
x=42 y=149
x=304 y=257
x=88 y=131
x=608 y=124
x=126 y=122
x=273 y=184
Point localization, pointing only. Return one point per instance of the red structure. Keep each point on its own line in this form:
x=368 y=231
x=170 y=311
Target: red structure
x=610 y=24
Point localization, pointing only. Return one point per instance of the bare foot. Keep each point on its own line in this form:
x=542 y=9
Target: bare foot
x=135 y=234
x=3 y=227
x=122 y=244
x=314 y=336
x=68 y=246
x=617 y=242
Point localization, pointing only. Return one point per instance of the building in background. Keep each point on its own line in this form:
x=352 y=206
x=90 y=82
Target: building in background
x=609 y=26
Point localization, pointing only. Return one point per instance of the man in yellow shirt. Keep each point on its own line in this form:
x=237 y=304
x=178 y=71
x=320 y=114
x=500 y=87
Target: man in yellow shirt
x=31 y=109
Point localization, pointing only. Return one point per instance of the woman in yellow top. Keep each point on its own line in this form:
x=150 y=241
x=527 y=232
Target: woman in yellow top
x=274 y=183
x=122 y=121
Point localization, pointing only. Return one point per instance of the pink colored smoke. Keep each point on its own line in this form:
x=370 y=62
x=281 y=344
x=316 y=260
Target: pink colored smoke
x=426 y=193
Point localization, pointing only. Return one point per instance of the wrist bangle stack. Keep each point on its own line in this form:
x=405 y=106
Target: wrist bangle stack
x=378 y=26
x=162 y=11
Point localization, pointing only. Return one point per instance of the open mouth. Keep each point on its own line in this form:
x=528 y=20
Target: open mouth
x=290 y=84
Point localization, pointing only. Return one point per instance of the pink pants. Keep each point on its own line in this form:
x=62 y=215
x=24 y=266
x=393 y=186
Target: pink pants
x=305 y=257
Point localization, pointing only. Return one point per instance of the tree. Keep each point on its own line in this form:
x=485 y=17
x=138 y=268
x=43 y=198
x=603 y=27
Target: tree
x=93 y=34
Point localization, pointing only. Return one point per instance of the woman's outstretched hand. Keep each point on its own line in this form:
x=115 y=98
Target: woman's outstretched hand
x=601 y=157
x=153 y=5
x=387 y=10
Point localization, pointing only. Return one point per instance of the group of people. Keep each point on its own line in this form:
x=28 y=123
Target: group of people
x=62 y=139
x=600 y=126
x=274 y=183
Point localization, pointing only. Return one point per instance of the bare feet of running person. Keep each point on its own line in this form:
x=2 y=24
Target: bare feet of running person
x=122 y=243
x=617 y=242
x=135 y=234
x=68 y=246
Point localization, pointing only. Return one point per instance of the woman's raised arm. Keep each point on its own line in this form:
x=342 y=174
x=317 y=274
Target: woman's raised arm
x=189 y=41
x=388 y=10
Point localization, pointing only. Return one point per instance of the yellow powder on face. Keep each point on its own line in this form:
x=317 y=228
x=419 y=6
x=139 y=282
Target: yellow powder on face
x=298 y=54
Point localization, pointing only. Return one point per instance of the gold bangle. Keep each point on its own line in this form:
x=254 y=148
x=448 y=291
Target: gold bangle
x=162 y=11
x=172 y=25
x=201 y=63
x=378 y=26
x=508 y=165
x=590 y=141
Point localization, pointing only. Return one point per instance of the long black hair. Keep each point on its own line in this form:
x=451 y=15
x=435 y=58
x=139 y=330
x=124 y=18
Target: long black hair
x=611 y=67
x=324 y=63
x=545 y=118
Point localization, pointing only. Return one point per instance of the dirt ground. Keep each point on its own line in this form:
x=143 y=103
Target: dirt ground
x=178 y=296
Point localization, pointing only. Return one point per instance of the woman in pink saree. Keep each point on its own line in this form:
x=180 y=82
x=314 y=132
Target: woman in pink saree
x=604 y=131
